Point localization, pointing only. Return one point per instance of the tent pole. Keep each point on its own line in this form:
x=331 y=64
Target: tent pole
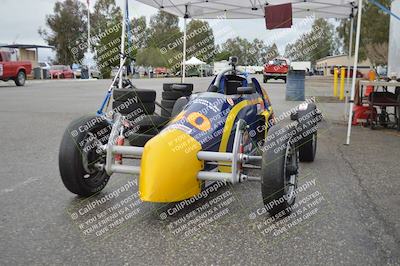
x=184 y=50
x=121 y=61
x=353 y=83
x=88 y=39
x=349 y=65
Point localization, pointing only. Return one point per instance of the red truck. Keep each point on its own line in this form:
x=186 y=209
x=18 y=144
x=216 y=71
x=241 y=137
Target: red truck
x=276 y=69
x=15 y=70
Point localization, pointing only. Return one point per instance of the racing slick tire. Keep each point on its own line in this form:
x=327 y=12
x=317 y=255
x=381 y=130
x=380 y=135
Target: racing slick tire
x=142 y=95
x=167 y=103
x=265 y=79
x=167 y=86
x=308 y=125
x=174 y=95
x=79 y=152
x=166 y=113
x=151 y=122
x=279 y=171
x=125 y=108
x=20 y=79
x=178 y=106
x=181 y=87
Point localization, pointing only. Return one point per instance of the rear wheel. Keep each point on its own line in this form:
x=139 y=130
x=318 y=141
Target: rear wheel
x=21 y=78
x=308 y=149
x=279 y=171
x=308 y=120
x=80 y=156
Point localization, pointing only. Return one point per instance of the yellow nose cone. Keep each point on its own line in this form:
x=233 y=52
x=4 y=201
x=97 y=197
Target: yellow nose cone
x=169 y=167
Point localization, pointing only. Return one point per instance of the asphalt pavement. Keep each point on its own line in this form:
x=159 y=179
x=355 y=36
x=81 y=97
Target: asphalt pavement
x=348 y=207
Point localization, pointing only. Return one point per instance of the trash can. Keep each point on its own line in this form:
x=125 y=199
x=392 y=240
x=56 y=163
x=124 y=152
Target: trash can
x=84 y=73
x=37 y=73
x=295 y=85
x=45 y=74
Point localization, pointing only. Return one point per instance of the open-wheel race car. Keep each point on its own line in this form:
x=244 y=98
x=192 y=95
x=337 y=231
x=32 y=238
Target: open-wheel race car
x=227 y=133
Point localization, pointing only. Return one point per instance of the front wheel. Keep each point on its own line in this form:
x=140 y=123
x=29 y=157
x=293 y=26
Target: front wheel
x=81 y=158
x=21 y=78
x=279 y=171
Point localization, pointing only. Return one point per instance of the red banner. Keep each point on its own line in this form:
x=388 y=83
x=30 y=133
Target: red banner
x=278 y=16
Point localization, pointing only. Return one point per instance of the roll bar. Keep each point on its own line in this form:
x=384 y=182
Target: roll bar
x=223 y=72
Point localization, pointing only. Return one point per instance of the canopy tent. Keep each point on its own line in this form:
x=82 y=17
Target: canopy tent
x=250 y=9
x=194 y=62
x=253 y=9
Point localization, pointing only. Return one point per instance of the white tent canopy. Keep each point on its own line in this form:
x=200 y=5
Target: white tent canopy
x=254 y=9
x=194 y=62
x=250 y=9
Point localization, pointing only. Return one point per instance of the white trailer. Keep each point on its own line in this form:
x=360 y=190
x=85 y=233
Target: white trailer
x=301 y=65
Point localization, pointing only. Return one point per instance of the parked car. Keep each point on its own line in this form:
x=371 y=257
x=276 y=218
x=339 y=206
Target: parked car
x=160 y=71
x=61 y=72
x=114 y=71
x=14 y=70
x=276 y=69
x=358 y=75
x=95 y=72
x=77 y=69
x=45 y=65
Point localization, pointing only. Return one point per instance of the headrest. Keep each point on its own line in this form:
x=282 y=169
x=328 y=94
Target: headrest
x=231 y=87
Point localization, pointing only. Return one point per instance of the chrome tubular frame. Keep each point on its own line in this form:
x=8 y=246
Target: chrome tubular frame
x=235 y=159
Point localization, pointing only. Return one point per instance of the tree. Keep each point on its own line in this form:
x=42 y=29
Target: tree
x=377 y=53
x=221 y=54
x=105 y=13
x=67 y=26
x=151 y=56
x=271 y=53
x=164 y=34
x=108 y=48
x=374 y=30
x=164 y=31
x=238 y=47
x=105 y=35
x=313 y=45
x=107 y=18
x=200 y=40
x=249 y=53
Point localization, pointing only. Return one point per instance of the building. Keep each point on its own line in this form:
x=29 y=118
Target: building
x=325 y=64
x=26 y=52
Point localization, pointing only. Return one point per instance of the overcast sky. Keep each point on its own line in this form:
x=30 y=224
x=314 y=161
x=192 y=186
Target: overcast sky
x=21 y=19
